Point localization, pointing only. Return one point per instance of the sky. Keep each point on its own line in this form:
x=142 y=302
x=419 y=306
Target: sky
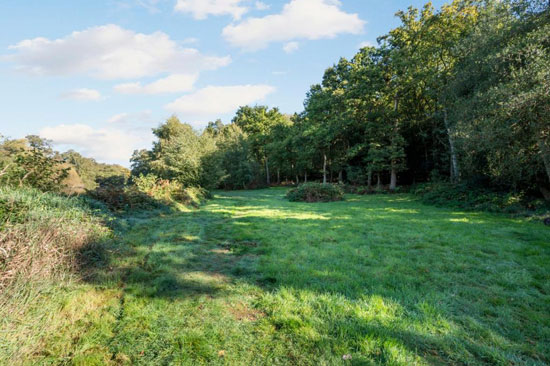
x=97 y=76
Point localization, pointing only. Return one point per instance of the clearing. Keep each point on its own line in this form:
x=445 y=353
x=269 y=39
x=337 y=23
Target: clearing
x=252 y=279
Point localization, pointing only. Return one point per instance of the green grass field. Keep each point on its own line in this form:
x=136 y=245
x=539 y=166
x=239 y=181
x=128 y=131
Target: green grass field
x=252 y=279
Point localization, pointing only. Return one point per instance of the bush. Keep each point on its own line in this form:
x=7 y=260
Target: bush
x=469 y=196
x=362 y=190
x=316 y=192
x=117 y=195
x=169 y=191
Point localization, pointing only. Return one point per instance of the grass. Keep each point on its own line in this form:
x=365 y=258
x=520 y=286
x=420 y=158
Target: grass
x=252 y=279
x=43 y=236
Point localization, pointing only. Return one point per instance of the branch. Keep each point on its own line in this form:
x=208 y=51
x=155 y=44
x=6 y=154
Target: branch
x=5 y=170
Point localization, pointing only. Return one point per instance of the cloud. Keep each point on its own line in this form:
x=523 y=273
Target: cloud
x=261 y=5
x=104 y=144
x=290 y=47
x=216 y=100
x=118 y=118
x=190 y=40
x=366 y=44
x=201 y=9
x=81 y=94
x=110 y=52
x=150 y=5
x=171 y=84
x=131 y=118
x=299 y=19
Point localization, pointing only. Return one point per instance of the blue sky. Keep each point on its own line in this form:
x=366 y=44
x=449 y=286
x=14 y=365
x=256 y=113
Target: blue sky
x=96 y=76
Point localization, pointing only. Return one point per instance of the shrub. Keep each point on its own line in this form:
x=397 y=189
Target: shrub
x=169 y=191
x=362 y=190
x=469 y=196
x=316 y=192
x=117 y=195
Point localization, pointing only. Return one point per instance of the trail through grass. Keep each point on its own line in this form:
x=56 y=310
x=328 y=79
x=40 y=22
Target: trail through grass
x=252 y=279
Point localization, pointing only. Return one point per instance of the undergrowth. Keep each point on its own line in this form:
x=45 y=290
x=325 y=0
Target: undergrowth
x=316 y=192
x=475 y=198
x=42 y=240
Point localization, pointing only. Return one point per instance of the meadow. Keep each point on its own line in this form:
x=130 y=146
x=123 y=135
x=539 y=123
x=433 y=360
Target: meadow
x=250 y=278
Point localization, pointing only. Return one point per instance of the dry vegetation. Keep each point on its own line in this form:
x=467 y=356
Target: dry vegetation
x=43 y=234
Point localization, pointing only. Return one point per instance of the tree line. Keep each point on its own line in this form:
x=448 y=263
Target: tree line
x=456 y=94
x=459 y=93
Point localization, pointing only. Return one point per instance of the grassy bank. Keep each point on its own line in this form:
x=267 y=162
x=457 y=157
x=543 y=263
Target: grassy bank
x=252 y=279
x=46 y=241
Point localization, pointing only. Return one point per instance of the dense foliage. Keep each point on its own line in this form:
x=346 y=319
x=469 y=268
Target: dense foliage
x=450 y=95
x=221 y=156
x=472 y=196
x=90 y=172
x=316 y=192
x=31 y=162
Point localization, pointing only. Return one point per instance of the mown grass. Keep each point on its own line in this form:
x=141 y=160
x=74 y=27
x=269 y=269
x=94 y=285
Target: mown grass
x=252 y=279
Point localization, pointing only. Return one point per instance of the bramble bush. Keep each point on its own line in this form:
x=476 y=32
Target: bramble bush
x=316 y=192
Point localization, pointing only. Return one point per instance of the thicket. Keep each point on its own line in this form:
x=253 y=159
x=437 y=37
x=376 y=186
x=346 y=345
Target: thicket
x=473 y=196
x=316 y=192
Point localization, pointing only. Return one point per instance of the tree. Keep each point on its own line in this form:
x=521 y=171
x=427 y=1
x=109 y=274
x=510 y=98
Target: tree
x=257 y=122
x=177 y=153
x=32 y=162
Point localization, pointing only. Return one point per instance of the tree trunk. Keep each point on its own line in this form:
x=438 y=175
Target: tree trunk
x=340 y=176
x=305 y=176
x=455 y=173
x=393 y=180
x=324 y=169
x=268 y=181
x=369 y=179
x=379 y=183
x=297 y=179
x=545 y=152
x=278 y=176
x=393 y=176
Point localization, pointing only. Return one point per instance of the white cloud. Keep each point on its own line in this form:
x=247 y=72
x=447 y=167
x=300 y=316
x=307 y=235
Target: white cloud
x=201 y=9
x=150 y=5
x=366 y=44
x=279 y=73
x=110 y=52
x=190 y=40
x=290 y=47
x=104 y=144
x=216 y=100
x=171 y=84
x=261 y=5
x=131 y=118
x=81 y=94
x=118 y=118
x=299 y=19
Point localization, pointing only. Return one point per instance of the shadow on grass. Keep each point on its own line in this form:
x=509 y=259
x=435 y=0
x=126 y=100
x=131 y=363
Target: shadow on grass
x=489 y=301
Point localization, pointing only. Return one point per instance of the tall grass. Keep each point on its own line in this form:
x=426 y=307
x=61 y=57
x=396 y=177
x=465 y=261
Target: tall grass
x=41 y=238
